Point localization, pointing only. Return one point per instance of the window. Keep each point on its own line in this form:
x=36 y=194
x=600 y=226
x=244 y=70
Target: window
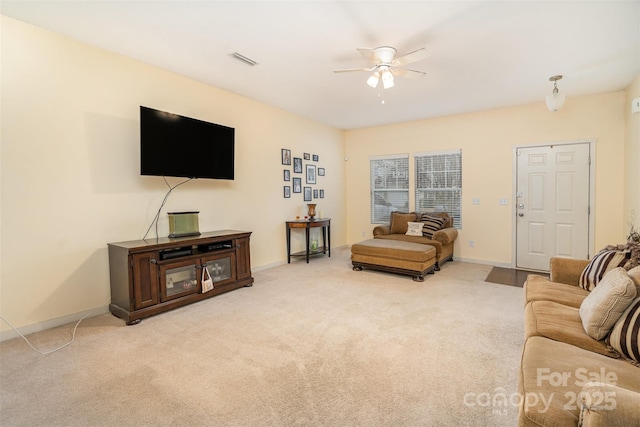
x=439 y=183
x=389 y=186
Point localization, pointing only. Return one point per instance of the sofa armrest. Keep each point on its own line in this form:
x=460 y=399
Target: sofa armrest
x=381 y=230
x=446 y=235
x=608 y=405
x=566 y=270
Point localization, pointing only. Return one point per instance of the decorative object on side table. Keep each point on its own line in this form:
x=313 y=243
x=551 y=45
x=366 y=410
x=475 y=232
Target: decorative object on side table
x=312 y=210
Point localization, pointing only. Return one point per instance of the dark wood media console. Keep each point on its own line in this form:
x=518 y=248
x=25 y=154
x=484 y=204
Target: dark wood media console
x=156 y=275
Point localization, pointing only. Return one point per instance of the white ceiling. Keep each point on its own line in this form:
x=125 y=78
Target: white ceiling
x=484 y=54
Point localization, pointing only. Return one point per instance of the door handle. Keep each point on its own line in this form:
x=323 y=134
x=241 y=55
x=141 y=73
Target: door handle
x=521 y=214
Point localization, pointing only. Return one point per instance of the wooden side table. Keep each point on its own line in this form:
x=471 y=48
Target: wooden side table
x=325 y=223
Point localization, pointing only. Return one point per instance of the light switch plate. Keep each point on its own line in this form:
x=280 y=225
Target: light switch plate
x=503 y=202
x=475 y=201
x=635 y=105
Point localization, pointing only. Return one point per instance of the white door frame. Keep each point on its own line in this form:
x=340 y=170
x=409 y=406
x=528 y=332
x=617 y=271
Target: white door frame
x=592 y=191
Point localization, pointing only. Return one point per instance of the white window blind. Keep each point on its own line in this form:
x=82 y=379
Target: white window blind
x=389 y=186
x=439 y=183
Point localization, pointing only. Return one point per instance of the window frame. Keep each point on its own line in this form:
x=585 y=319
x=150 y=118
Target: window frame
x=448 y=189
x=392 y=195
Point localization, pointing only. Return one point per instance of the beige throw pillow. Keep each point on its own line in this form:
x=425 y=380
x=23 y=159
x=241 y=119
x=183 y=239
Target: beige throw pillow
x=634 y=273
x=414 y=229
x=602 y=308
x=400 y=222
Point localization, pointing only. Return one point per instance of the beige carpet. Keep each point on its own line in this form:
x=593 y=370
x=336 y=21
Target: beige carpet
x=308 y=344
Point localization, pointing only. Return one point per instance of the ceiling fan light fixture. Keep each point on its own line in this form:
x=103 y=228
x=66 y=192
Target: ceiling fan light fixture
x=387 y=79
x=373 y=80
x=555 y=101
x=385 y=54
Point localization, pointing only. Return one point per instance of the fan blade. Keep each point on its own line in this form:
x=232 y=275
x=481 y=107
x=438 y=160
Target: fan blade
x=348 y=70
x=368 y=53
x=415 y=56
x=403 y=72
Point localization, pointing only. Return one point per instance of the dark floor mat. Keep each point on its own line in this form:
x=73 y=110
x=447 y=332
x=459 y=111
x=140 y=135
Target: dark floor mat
x=509 y=276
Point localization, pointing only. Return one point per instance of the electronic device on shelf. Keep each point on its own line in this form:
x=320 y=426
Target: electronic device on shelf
x=218 y=246
x=175 y=252
x=174 y=145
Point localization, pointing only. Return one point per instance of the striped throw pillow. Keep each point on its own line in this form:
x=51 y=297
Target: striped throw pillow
x=602 y=262
x=625 y=334
x=431 y=224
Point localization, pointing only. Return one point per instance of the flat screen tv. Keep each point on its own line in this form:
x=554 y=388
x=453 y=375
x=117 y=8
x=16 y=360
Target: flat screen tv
x=173 y=145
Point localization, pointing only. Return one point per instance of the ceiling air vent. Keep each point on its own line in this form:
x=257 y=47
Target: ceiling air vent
x=244 y=59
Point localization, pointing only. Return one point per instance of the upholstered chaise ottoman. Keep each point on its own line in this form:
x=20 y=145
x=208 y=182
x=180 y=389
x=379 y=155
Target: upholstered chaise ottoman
x=395 y=256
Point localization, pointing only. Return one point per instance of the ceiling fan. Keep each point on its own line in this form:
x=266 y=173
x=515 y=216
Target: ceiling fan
x=386 y=65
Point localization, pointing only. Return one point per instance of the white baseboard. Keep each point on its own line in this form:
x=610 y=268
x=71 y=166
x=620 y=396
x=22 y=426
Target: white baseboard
x=283 y=262
x=268 y=266
x=483 y=262
x=51 y=323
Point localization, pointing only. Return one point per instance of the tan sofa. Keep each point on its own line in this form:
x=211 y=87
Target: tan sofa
x=567 y=378
x=442 y=240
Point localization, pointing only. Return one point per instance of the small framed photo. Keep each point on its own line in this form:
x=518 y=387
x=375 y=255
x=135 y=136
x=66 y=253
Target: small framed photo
x=320 y=171
x=307 y=156
x=297 y=185
x=307 y=194
x=315 y=194
x=322 y=194
x=311 y=174
x=287 y=191
x=286 y=156
x=315 y=157
x=297 y=165
x=287 y=175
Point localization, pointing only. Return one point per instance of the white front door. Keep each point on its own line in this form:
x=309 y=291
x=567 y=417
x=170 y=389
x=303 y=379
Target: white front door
x=552 y=204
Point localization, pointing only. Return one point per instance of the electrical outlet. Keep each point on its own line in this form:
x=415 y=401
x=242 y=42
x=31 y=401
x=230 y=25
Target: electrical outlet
x=363 y=234
x=472 y=243
x=475 y=201
x=503 y=202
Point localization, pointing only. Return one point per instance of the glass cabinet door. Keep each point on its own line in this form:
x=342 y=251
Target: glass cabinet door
x=220 y=269
x=178 y=279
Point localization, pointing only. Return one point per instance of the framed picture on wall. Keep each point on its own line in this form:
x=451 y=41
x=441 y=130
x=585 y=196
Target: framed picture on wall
x=320 y=171
x=297 y=165
x=287 y=175
x=322 y=194
x=286 y=156
x=315 y=194
x=307 y=194
x=311 y=174
x=307 y=156
x=287 y=191
x=315 y=157
x=297 y=185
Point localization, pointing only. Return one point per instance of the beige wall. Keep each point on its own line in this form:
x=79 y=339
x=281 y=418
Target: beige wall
x=70 y=178
x=632 y=160
x=70 y=170
x=487 y=140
